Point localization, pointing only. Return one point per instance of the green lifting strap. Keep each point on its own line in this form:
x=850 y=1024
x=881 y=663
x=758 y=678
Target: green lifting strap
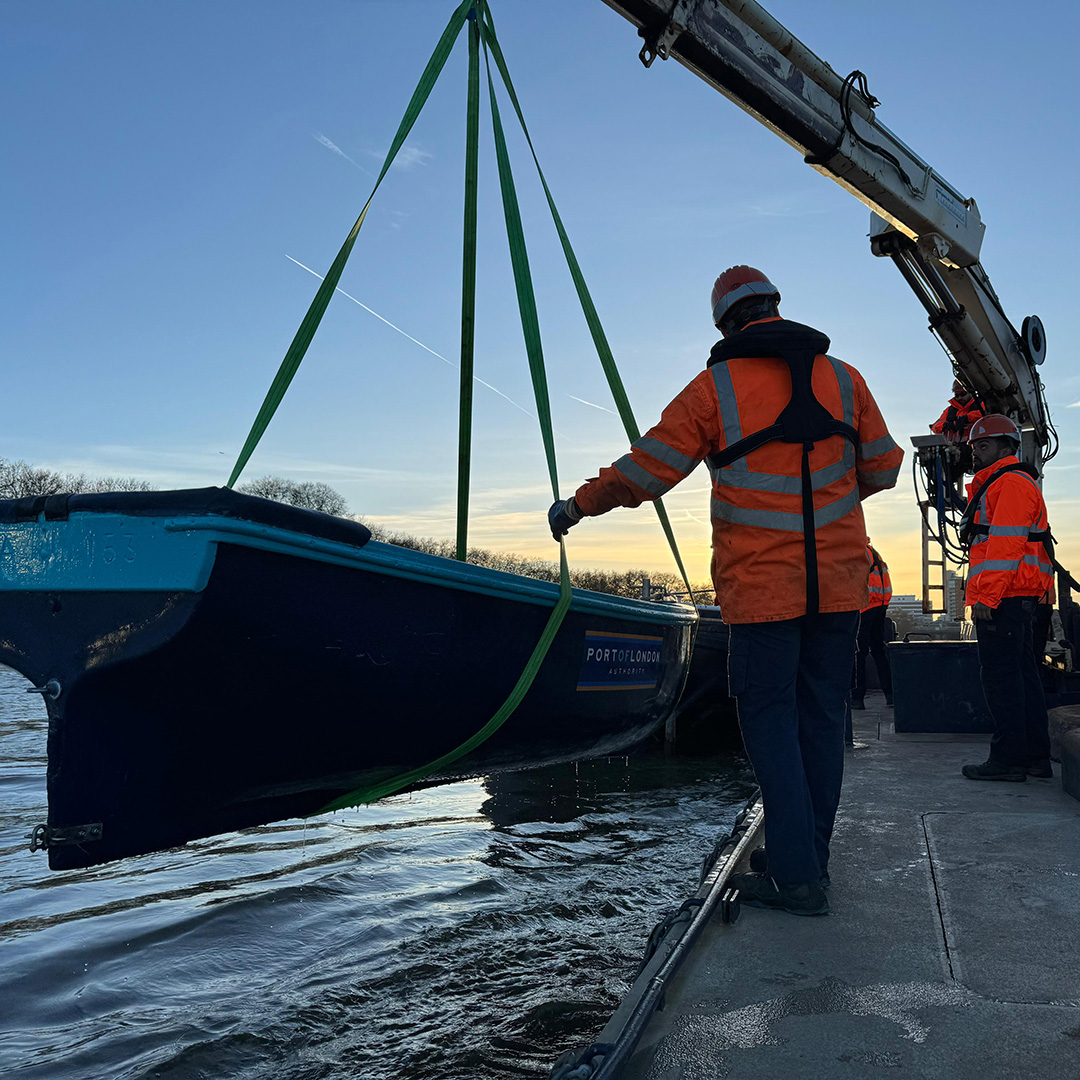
x=468 y=289
x=302 y=340
x=531 y=329
x=603 y=349
x=519 y=258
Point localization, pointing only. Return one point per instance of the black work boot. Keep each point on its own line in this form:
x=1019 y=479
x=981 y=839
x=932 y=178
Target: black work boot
x=1041 y=768
x=994 y=770
x=759 y=864
x=858 y=703
x=759 y=890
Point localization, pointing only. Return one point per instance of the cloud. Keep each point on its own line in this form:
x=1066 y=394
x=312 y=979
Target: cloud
x=183 y=466
x=408 y=157
x=1074 y=405
x=322 y=140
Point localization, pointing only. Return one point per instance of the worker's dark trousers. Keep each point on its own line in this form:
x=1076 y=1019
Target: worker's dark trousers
x=1011 y=683
x=871 y=642
x=790 y=680
x=1040 y=630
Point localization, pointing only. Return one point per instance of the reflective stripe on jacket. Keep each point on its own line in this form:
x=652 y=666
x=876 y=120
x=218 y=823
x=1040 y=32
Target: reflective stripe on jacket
x=879 y=584
x=759 y=562
x=1003 y=560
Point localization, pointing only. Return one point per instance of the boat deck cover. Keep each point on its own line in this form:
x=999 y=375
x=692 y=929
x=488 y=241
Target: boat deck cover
x=189 y=502
x=952 y=950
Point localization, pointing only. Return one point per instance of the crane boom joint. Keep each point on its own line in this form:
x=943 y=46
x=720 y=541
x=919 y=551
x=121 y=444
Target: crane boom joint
x=660 y=37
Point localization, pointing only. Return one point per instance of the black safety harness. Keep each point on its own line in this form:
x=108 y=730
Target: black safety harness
x=803 y=420
x=970 y=530
x=879 y=566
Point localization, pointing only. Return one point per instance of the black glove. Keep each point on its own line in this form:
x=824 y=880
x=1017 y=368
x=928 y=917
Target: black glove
x=561 y=516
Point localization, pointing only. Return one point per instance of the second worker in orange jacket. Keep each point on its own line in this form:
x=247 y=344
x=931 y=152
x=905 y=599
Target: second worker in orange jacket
x=794 y=442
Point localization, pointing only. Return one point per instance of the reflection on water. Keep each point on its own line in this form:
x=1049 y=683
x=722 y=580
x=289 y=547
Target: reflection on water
x=473 y=930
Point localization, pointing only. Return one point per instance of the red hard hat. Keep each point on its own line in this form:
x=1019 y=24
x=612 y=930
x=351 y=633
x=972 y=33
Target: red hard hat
x=737 y=283
x=994 y=426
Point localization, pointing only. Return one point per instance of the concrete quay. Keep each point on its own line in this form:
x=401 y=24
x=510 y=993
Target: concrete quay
x=952 y=950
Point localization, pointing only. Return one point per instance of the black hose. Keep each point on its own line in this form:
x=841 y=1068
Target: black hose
x=845 y=114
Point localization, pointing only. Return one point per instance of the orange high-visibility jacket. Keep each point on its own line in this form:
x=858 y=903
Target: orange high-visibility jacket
x=957 y=418
x=759 y=560
x=879 y=584
x=1004 y=561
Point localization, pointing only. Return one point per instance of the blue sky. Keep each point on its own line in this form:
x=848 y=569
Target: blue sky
x=166 y=161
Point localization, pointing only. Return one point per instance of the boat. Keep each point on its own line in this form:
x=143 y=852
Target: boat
x=705 y=719
x=212 y=661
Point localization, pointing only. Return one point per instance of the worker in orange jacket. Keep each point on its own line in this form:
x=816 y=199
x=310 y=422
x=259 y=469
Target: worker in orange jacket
x=963 y=410
x=1006 y=528
x=871 y=640
x=794 y=441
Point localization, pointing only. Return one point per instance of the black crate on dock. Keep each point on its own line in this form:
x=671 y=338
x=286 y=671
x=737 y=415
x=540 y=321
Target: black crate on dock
x=936 y=687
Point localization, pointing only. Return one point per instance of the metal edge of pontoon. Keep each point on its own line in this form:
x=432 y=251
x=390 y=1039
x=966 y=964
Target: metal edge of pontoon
x=621 y=1034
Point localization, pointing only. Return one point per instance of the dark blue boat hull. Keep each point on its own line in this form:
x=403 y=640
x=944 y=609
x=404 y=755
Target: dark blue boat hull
x=292 y=677
x=706 y=719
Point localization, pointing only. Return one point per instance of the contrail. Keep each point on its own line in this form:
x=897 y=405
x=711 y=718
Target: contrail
x=322 y=140
x=420 y=343
x=381 y=319
x=600 y=407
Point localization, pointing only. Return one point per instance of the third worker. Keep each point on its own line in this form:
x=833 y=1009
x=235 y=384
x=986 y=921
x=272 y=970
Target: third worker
x=872 y=626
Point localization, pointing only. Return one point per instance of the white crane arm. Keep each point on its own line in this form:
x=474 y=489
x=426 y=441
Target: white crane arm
x=926 y=226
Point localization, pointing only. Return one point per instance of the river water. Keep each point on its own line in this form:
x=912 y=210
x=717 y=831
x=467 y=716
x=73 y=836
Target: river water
x=464 y=932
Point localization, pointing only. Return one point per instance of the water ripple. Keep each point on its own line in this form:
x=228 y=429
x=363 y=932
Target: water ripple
x=470 y=931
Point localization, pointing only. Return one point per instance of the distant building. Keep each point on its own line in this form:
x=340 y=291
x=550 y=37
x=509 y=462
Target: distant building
x=953 y=601
x=954 y=595
x=910 y=604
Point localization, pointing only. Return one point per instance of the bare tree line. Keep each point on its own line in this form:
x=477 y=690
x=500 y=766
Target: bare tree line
x=309 y=494
x=19 y=479
x=615 y=582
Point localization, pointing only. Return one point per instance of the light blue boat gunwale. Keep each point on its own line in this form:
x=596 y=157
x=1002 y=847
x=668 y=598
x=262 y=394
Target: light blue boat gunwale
x=178 y=554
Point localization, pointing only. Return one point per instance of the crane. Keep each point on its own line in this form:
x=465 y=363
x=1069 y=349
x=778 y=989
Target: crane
x=926 y=226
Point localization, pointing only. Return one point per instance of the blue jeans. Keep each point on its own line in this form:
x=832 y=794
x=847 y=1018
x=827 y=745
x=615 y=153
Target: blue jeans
x=790 y=680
